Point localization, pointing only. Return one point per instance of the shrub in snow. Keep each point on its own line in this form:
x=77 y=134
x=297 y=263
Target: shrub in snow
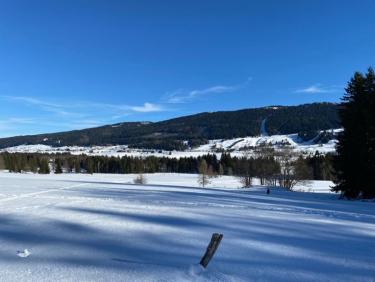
x=140 y=179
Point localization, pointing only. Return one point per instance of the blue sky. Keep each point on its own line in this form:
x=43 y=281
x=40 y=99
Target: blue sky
x=73 y=64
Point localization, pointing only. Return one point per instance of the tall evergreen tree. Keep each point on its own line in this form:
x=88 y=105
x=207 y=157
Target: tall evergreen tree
x=44 y=166
x=77 y=166
x=58 y=166
x=2 y=162
x=355 y=162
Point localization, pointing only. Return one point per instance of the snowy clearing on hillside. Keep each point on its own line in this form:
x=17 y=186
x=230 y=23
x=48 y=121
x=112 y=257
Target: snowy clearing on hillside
x=276 y=141
x=75 y=227
x=235 y=146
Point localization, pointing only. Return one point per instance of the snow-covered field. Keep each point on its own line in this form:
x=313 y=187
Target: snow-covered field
x=292 y=140
x=235 y=146
x=75 y=227
x=109 y=151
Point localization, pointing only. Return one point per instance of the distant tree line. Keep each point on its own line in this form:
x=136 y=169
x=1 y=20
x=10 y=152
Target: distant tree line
x=20 y=162
x=267 y=167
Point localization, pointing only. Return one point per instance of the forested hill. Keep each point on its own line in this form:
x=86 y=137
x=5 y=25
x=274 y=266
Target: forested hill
x=305 y=119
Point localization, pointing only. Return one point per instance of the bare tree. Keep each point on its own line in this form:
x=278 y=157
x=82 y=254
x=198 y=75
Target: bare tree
x=246 y=181
x=294 y=169
x=140 y=179
x=246 y=172
x=267 y=168
x=204 y=174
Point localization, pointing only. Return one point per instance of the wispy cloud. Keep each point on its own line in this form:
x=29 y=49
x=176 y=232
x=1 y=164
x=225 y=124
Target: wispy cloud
x=64 y=109
x=21 y=126
x=19 y=120
x=31 y=100
x=319 y=88
x=59 y=109
x=52 y=116
x=184 y=96
x=147 y=108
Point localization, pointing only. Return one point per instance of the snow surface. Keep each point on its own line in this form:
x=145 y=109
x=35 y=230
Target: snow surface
x=110 y=151
x=263 y=131
x=276 y=141
x=77 y=227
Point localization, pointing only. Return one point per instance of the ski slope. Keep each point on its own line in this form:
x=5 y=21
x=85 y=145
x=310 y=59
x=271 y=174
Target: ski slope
x=276 y=141
x=75 y=227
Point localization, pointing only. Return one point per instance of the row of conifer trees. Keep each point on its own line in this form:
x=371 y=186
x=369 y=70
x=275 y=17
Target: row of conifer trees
x=317 y=167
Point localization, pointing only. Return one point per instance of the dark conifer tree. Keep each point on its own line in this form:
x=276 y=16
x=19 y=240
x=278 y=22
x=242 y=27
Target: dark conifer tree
x=44 y=166
x=89 y=165
x=355 y=162
x=58 y=166
x=2 y=162
x=77 y=166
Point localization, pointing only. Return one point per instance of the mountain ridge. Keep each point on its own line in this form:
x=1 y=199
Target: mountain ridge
x=192 y=130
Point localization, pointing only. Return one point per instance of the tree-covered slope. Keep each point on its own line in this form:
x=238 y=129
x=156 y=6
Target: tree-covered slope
x=304 y=119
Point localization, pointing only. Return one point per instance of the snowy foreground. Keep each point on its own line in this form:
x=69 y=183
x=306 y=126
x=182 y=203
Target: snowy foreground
x=99 y=228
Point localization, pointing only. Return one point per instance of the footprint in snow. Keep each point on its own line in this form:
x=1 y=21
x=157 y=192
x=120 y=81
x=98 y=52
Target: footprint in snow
x=23 y=254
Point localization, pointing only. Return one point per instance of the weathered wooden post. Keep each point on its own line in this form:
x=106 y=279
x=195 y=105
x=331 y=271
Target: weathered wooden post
x=211 y=249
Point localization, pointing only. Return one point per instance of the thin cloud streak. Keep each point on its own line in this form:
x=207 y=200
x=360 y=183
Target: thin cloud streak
x=31 y=100
x=58 y=109
x=183 y=96
x=7 y=126
x=16 y=120
x=318 y=88
x=64 y=116
x=62 y=109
